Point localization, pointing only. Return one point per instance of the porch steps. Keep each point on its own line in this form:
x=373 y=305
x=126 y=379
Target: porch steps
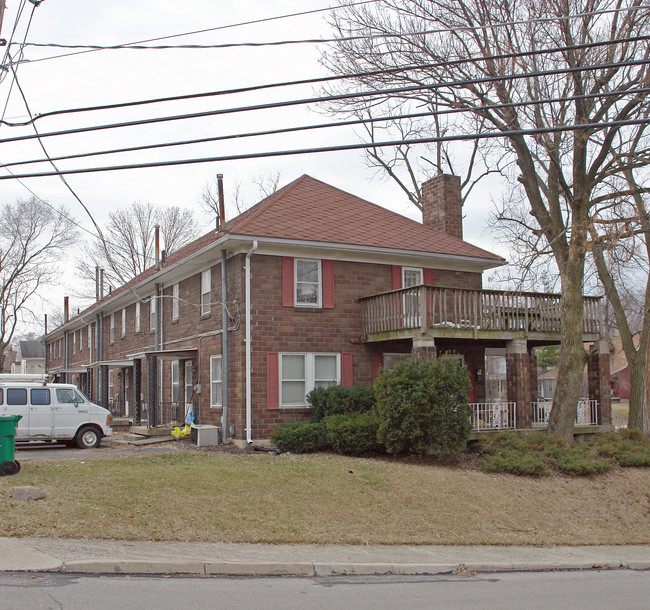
x=149 y=432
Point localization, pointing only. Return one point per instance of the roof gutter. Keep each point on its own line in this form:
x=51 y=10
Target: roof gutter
x=248 y=345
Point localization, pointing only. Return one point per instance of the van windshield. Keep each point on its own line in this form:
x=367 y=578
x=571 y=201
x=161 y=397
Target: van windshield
x=68 y=395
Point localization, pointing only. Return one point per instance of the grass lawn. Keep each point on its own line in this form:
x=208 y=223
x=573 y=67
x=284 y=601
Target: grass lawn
x=195 y=495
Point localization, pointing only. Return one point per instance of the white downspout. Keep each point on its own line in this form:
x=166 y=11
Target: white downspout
x=248 y=345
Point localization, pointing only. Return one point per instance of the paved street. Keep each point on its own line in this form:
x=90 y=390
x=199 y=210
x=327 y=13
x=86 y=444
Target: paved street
x=593 y=590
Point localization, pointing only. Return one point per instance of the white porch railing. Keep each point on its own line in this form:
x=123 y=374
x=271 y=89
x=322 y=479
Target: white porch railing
x=494 y=415
x=587 y=413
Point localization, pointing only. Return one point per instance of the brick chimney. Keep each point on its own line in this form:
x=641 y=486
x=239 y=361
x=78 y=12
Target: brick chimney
x=442 y=206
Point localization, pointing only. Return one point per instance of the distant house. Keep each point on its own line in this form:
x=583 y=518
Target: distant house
x=317 y=287
x=620 y=369
x=30 y=358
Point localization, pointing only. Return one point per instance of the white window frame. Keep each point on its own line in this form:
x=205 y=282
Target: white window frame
x=124 y=322
x=310 y=375
x=419 y=270
x=111 y=335
x=175 y=380
x=74 y=342
x=90 y=336
x=137 y=317
x=216 y=383
x=319 y=287
x=81 y=339
x=153 y=307
x=206 y=290
x=111 y=378
x=175 y=302
x=189 y=384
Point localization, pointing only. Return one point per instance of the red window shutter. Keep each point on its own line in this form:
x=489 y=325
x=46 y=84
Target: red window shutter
x=396 y=278
x=287 y=281
x=328 y=284
x=429 y=277
x=377 y=363
x=347 y=377
x=272 y=380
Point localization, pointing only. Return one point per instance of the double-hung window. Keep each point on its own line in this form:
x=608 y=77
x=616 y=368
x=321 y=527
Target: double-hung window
x=74 y=342
x=124 y=322
x=175 y=381
x=301 y=373
x=111 y=336
x=206 y=287
x=175 y=295
x=137 y=317
x=308 y=282
x=153 y=308
x=216 y=382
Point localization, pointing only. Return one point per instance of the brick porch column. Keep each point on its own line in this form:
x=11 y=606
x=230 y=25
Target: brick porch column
x=518 y=380
x=424 y=349
x=599 y=382
x=534 y=394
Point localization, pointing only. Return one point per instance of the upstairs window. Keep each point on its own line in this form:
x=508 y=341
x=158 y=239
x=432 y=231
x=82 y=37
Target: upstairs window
x=153 y=308
x=175 y=295
x=206 y=287
x=411 y=276
x=124 y=322
x=308 y=282
x=137 y=317
x=111 y=336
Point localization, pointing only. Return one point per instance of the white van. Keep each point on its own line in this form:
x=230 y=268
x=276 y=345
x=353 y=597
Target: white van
x=53 y=411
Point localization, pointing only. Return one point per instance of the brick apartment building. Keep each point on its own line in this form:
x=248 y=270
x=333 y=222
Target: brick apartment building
x=320 y=288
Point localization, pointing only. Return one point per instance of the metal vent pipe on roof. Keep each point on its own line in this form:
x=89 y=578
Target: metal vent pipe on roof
x=157 y=247
x=222 y=205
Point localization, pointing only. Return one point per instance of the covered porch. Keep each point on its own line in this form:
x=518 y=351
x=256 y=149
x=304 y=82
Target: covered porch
x=441 y=322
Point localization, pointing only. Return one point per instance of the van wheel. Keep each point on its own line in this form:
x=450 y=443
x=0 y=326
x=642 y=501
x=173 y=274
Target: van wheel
x=87 y=437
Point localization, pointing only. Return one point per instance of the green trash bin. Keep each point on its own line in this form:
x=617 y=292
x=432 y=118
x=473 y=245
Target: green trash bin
x=8 y=463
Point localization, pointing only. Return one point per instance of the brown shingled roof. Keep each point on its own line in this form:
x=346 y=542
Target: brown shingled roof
x=310 y=210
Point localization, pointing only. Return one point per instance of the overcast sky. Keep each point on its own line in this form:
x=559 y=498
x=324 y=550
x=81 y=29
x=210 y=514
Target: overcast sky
x=113 y=76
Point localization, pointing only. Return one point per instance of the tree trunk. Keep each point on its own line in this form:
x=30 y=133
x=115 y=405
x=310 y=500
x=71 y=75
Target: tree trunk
x=572 y=360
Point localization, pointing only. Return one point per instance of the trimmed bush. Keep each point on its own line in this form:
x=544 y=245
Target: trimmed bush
x=512 y=462
x=630 y=448
x=422 y=408
x=353 y=433
x=337 y=399
x=298 y=437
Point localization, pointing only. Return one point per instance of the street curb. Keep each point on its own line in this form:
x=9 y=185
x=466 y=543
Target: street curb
x=325 y=569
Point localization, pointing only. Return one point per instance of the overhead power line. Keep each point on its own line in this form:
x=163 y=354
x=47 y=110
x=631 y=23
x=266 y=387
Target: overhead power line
x=328 y=98
x=314 y=40
x=323 y=79
x=334 y=124
x=216 y=28
x=338 y=148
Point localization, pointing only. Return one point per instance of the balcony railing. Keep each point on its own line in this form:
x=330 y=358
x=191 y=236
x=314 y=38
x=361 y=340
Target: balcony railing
x=432 y=307
x=586 y=415
x=494 y=416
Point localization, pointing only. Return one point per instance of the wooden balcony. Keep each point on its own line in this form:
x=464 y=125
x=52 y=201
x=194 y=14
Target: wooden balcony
x=470 y=314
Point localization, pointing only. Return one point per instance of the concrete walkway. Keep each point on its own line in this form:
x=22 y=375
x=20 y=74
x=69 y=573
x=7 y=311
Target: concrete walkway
x=202 y=559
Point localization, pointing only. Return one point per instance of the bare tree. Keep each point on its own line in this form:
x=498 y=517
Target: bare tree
x=128 y=246
x=33 y=236
x=558 y=83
